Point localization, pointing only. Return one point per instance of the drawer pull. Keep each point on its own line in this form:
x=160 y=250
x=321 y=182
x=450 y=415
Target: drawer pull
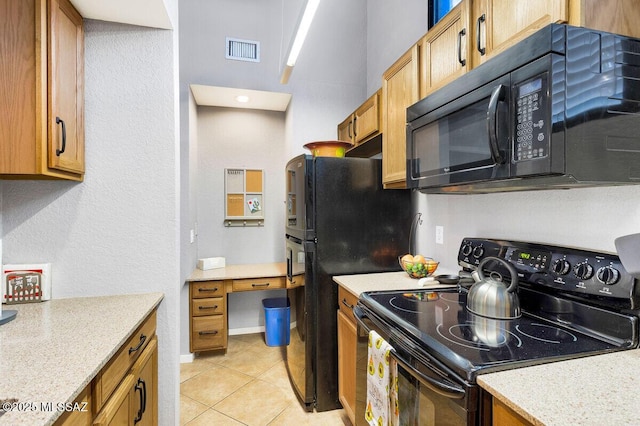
x=203 y=333
x=143 y=339
x=208 y=307
x=344 y=302
x=208 y=289
x=260 y=285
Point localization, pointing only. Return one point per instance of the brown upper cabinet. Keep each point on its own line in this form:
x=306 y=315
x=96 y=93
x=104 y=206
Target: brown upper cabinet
x=399 y=91
x=445 y=51
x=498 y=24
x=42 y=90
x=364 y=123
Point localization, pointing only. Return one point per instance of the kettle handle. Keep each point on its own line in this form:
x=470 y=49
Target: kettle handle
x=512 y=270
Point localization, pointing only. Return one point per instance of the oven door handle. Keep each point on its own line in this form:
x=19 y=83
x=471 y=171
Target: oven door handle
x=441 y=388
x=444 y=389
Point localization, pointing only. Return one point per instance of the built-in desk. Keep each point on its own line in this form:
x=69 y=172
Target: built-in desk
x=208 y=324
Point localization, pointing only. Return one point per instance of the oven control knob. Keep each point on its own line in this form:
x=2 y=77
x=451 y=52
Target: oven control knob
x=608 y=275
x=583 y=270
x=478 y=252
x=561 y=267
x=466 y=249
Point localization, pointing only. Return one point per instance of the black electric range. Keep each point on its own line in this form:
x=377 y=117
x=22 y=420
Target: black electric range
x=574 y=302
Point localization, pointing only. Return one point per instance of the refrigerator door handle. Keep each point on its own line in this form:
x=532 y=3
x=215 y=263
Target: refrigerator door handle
x=289 y=264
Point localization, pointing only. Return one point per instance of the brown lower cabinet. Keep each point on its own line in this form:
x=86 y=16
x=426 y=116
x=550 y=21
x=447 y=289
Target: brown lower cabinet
x=125 y=391
x=347 y=356
x=505 y=416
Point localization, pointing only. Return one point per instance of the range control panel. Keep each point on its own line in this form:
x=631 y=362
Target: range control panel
x=561 y=268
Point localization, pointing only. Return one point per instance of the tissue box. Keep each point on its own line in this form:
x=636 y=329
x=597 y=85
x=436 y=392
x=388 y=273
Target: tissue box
x=211 y=263
x=26 y=283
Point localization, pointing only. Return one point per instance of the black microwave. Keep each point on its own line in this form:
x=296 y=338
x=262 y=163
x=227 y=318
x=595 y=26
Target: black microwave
x=560 y=109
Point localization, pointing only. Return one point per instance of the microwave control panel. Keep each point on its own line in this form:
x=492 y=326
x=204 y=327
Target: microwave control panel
x=531 y=138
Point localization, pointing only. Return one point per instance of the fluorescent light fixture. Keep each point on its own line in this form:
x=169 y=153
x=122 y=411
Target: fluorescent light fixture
x=300 y=34
x=242 y=99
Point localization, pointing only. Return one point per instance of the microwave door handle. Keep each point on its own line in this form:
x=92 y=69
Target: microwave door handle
x=497 y=96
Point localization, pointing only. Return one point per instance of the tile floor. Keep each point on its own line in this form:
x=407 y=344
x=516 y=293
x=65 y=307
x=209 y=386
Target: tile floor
x=246 y=386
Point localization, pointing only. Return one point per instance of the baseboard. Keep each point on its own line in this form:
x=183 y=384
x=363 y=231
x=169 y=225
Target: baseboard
x=246 y=330
x=186 y=358
x=251 y=330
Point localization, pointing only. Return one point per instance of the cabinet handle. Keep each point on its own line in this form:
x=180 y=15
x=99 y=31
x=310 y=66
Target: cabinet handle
x=64 y=136
x=479 y=22
x=208 y=307
x=204 y=333
x=355 y=134
x=143 y=339
x=143 y=399
x=344 y=302
x=260 y=285
x=461 y=33
x=350 y=125
x=208 y=289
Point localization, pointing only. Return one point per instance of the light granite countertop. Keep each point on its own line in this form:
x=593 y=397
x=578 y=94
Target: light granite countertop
x=231 y=272
x=591 y=391
x=400 y=280
x=52 y=350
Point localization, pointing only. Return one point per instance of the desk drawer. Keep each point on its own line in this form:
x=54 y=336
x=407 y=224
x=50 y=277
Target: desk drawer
x=347 y=301
x=209 y=306
x=208 y=333
x=204 y=289
x=258 y=284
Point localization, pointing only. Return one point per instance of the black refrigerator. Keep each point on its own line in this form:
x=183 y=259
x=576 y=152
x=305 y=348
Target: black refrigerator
x=339 y=221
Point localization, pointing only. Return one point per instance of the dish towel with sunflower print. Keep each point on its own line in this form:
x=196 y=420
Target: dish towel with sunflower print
x=382 y=383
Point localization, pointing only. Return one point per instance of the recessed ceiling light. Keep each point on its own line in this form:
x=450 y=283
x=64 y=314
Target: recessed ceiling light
x=242 y=98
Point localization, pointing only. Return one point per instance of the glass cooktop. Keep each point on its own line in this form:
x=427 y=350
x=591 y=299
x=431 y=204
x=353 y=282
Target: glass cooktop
x=469 y=344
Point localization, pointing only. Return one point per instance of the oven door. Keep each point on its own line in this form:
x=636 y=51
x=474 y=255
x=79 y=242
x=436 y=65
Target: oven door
x=428 y=394
x=462 y=141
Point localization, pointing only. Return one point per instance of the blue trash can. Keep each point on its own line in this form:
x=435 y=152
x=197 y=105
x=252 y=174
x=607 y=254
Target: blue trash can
x=277 y=317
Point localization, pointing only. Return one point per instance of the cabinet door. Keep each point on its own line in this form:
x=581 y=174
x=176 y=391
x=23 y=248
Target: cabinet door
x=445 y=50
x=399 y=90
x=345 y=129
x=502 y=23
x=66 y=88
x=347 y=342
x=367 y=118
x=144 y=403
x=117 y=410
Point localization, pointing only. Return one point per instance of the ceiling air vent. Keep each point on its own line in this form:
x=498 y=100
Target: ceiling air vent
x=243 y=50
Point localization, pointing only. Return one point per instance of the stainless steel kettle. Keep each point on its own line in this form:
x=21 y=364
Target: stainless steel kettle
x=491 y=297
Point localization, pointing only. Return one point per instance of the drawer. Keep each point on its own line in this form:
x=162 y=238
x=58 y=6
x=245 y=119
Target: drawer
x=208 y=333
x=258 y=284
x=204 y=289
x=209 y=306
x=347 y=301
x=111 y=375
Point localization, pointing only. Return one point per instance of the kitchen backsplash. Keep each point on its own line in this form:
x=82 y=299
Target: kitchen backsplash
x=588 y=218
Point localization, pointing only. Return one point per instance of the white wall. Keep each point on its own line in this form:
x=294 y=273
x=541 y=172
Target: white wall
x=393 y=26
x=590 y=218
x=116 y=232
x=237 y=138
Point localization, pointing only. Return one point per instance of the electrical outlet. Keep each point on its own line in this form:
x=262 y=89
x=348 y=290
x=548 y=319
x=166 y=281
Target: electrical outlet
x=192 y=236
x=439 y=234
